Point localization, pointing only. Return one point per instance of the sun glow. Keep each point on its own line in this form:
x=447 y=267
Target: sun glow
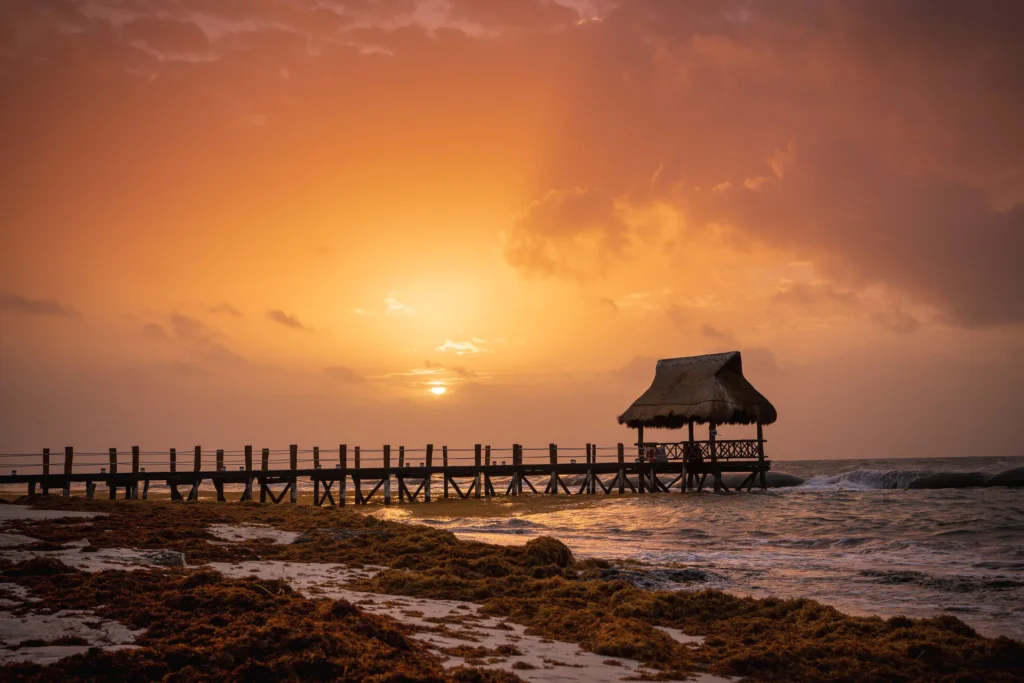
x=438 y=390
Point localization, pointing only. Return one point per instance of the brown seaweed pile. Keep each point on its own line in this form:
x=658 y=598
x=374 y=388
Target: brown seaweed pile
x=200 y=626
x=541 y=586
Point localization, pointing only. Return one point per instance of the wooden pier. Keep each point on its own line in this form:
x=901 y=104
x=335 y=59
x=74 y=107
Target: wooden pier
x=343 y=475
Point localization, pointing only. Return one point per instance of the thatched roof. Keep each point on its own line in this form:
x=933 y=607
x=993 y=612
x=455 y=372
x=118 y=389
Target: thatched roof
x=699 y=389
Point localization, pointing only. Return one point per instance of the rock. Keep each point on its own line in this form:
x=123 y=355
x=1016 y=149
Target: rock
x=165 y=558
x=949 y=480
x=1010 y=477
x=544 y=551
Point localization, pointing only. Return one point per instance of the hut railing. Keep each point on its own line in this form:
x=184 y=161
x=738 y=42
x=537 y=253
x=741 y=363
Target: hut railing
x=725 y=449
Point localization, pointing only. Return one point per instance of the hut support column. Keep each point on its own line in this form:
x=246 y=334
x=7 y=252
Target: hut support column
x=293 y=457
x=760 y=457
x=691 y=453
x=444 y=466
x=640 y=440
x=622 y=468
x=477 y=455
x=69 y=457
x=716 y=471
x=247 y=494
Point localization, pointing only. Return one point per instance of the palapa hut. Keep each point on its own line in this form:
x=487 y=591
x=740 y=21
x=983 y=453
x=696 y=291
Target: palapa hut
x=704 y=389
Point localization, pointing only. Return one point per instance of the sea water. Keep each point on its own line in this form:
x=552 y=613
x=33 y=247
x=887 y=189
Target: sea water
x=854 y=536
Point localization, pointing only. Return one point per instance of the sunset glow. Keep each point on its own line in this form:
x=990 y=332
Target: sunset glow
x=282 y=224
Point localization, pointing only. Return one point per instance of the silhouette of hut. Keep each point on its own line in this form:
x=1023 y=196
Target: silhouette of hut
x=697 y=390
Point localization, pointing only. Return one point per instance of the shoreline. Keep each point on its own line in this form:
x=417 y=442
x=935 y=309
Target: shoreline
x=538 y=587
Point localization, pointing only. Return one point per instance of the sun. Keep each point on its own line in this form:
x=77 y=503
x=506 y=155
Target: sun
x=438 y=390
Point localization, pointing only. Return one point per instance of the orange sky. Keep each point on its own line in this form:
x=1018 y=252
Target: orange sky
x=260 y=222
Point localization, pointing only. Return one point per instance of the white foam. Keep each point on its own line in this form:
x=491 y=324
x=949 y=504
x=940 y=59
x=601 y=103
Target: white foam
x=95 y=631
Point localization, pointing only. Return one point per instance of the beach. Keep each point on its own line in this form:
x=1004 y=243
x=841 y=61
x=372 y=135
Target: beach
x=272 y=592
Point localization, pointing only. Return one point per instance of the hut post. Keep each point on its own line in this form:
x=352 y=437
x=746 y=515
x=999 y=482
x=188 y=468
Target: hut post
x=691 y=453
x=760 y=456
x=220 y=460
x=264 y=466
x=429 y=475
x=622 y=468
x=174 y=460
x=69 y=458
x=135 y=472
x=316 y=479
x=172 y=482
x=247 y=495
x=519 y=473
x=343 y=461
x=112 y=461
x=293 y=462
x=716 y=471
x=444 y=467
x=387 y=475
x=553 y=458
x=487 y=455
x=477 y=448
x=640 y=440
x=46 y=471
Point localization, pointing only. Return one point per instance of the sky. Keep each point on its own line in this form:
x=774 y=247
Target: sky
x=266 y=222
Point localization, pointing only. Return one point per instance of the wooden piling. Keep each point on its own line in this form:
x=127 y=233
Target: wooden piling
x=293 y=461
x=46 y=471
x=399 y=476
x=430 y=463
x=264 y=466
x=197 y=467
x=444 y=466
x=112 y=464
x=553 y=458
x=487 y=455
x=69 y=458
x=135 y=473
x=174 y=460
x=316 y=479
x=477 y=452
x=387 y=475
x=514 y=486
x=357 y=480
x=343 y=461
x=247 y=494
x=218 y=484
x=622 y=468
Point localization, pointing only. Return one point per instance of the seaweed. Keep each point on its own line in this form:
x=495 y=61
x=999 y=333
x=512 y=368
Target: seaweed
x=543 y=587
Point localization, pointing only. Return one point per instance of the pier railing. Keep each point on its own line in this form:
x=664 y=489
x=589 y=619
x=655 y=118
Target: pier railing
x=480 y=465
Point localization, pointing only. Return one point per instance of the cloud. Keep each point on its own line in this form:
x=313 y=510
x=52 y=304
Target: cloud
x=283 y=318
x=717 y=335
x=154 y=332
x=345 y=375
x=186 y=327
x=26 y=306
x=460 y=348
x=396 y=307
x=215 y=353
x=360 y=311
x=815 y=295
x=226 y=309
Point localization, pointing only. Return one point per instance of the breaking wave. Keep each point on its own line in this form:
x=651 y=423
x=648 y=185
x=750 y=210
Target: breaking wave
x=917 y=479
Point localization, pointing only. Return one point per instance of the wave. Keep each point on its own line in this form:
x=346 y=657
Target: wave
x=952 y=584
x=917 y=479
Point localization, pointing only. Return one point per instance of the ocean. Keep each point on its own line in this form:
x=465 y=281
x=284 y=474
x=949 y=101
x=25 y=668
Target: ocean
x=854 y=536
